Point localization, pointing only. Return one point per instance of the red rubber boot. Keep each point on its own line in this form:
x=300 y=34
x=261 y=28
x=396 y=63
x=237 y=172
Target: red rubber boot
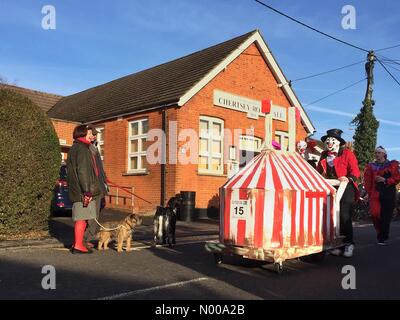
x=79 y=230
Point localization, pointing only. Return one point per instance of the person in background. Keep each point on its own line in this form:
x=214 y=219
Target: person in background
x=380 y=180
x=305 y=149
x=83 y=184
x=92 y=226
x=302 y=148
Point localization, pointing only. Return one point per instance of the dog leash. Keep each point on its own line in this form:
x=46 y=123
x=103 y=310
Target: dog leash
x=108 y=229
x=112 y=184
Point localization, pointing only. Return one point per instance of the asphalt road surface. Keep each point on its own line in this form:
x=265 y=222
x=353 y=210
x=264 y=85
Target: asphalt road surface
x=188 y=271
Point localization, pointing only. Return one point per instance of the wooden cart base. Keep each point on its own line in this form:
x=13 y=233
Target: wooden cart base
x=276 y=255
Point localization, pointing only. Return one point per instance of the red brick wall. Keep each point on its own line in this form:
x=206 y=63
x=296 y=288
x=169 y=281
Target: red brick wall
x=64 y=130
x=146 y=186
x=247 y=76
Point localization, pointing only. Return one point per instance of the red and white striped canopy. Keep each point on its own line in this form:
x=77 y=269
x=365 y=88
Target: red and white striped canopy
x=278 y=202
x=277 y=170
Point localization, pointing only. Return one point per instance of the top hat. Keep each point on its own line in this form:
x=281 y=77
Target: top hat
x=334 y=133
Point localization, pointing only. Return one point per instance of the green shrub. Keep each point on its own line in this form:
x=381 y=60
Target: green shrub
x=29 y=164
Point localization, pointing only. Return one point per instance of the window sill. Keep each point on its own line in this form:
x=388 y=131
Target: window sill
x=202 y=173
x=137 y=173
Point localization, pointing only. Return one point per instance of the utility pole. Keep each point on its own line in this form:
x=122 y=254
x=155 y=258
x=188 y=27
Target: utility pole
x=366 y=124
x=369 y=68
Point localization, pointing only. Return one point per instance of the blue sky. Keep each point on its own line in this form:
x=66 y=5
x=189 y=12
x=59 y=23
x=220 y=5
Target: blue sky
x=96 y=41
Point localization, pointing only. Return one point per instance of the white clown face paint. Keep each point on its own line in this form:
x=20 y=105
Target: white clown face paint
x=332 y=144
x=301 y=147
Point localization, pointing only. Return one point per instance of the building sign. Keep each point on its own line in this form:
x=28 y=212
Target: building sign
x=278 y=113
x=249 y=106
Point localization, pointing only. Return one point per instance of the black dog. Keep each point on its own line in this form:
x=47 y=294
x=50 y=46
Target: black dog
x=165 y=222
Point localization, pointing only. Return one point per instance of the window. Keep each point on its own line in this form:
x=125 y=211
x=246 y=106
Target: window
x=100 y=142
x=249 y=147
x=137 y=145
x=211 y=145
x=283 y=139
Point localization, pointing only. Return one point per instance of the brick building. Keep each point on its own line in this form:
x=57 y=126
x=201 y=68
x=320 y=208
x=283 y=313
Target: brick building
x=209 y=93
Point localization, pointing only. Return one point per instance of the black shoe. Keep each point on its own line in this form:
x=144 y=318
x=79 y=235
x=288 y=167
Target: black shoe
x=77 y=251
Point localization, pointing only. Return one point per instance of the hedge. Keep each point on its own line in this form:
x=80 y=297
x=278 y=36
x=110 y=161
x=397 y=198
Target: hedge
x=29 y=164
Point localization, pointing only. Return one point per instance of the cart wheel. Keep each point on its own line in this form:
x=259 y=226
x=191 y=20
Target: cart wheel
x=218 y=258
x=278 y=267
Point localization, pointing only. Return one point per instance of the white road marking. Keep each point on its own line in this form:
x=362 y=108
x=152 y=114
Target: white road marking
x=140 y=291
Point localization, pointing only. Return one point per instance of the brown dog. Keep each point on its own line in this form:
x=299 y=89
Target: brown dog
x=123 y=233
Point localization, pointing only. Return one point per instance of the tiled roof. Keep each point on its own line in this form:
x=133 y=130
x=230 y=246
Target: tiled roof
x=44 y=100
x=154 y=87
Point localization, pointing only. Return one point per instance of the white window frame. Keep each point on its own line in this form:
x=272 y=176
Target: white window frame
x=250 y=137
x=140 y=151
x=245 y=147
x=282 y=135
x=100 y=140
x=210 y=138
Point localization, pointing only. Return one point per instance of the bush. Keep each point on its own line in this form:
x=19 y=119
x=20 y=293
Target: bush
x=29 y=164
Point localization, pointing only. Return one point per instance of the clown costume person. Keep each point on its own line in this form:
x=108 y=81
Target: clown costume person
x=380 y=179
x=340 y=163
x=304 y=149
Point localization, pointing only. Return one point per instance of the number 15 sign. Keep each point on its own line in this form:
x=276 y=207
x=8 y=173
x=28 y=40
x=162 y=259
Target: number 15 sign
x=240 y=209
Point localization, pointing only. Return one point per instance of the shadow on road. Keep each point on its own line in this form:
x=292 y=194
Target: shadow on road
x=79 y=278
x=300 y=279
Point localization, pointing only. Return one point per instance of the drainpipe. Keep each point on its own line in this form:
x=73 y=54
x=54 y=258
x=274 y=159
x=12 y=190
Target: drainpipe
x=163 y=157
x=292 y=128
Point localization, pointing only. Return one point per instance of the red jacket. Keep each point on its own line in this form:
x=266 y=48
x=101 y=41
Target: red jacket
x=345 y=163
x=371 y=171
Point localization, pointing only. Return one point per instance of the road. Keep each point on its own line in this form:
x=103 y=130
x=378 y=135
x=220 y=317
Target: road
x=188 y=271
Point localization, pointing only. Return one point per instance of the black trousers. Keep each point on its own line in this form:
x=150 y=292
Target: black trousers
x=387 y=202
x=346 y=213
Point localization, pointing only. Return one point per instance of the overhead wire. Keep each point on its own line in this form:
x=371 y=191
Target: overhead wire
x=387 y=48
x=309 y=27
x=388 y=60
x=382 y=63
x=391 y=66
x=326 y=72
x=336 y=92
x=391 y=75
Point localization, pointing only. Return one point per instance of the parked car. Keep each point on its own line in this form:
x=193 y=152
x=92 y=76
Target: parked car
x=61 y=202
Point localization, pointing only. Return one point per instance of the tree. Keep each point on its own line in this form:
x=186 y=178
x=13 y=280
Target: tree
x=365 y=134
x=365 y=121
x=29 y=164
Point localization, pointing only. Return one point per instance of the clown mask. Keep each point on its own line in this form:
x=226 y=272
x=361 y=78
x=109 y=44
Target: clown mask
x=332 y=144
x=301 y=147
